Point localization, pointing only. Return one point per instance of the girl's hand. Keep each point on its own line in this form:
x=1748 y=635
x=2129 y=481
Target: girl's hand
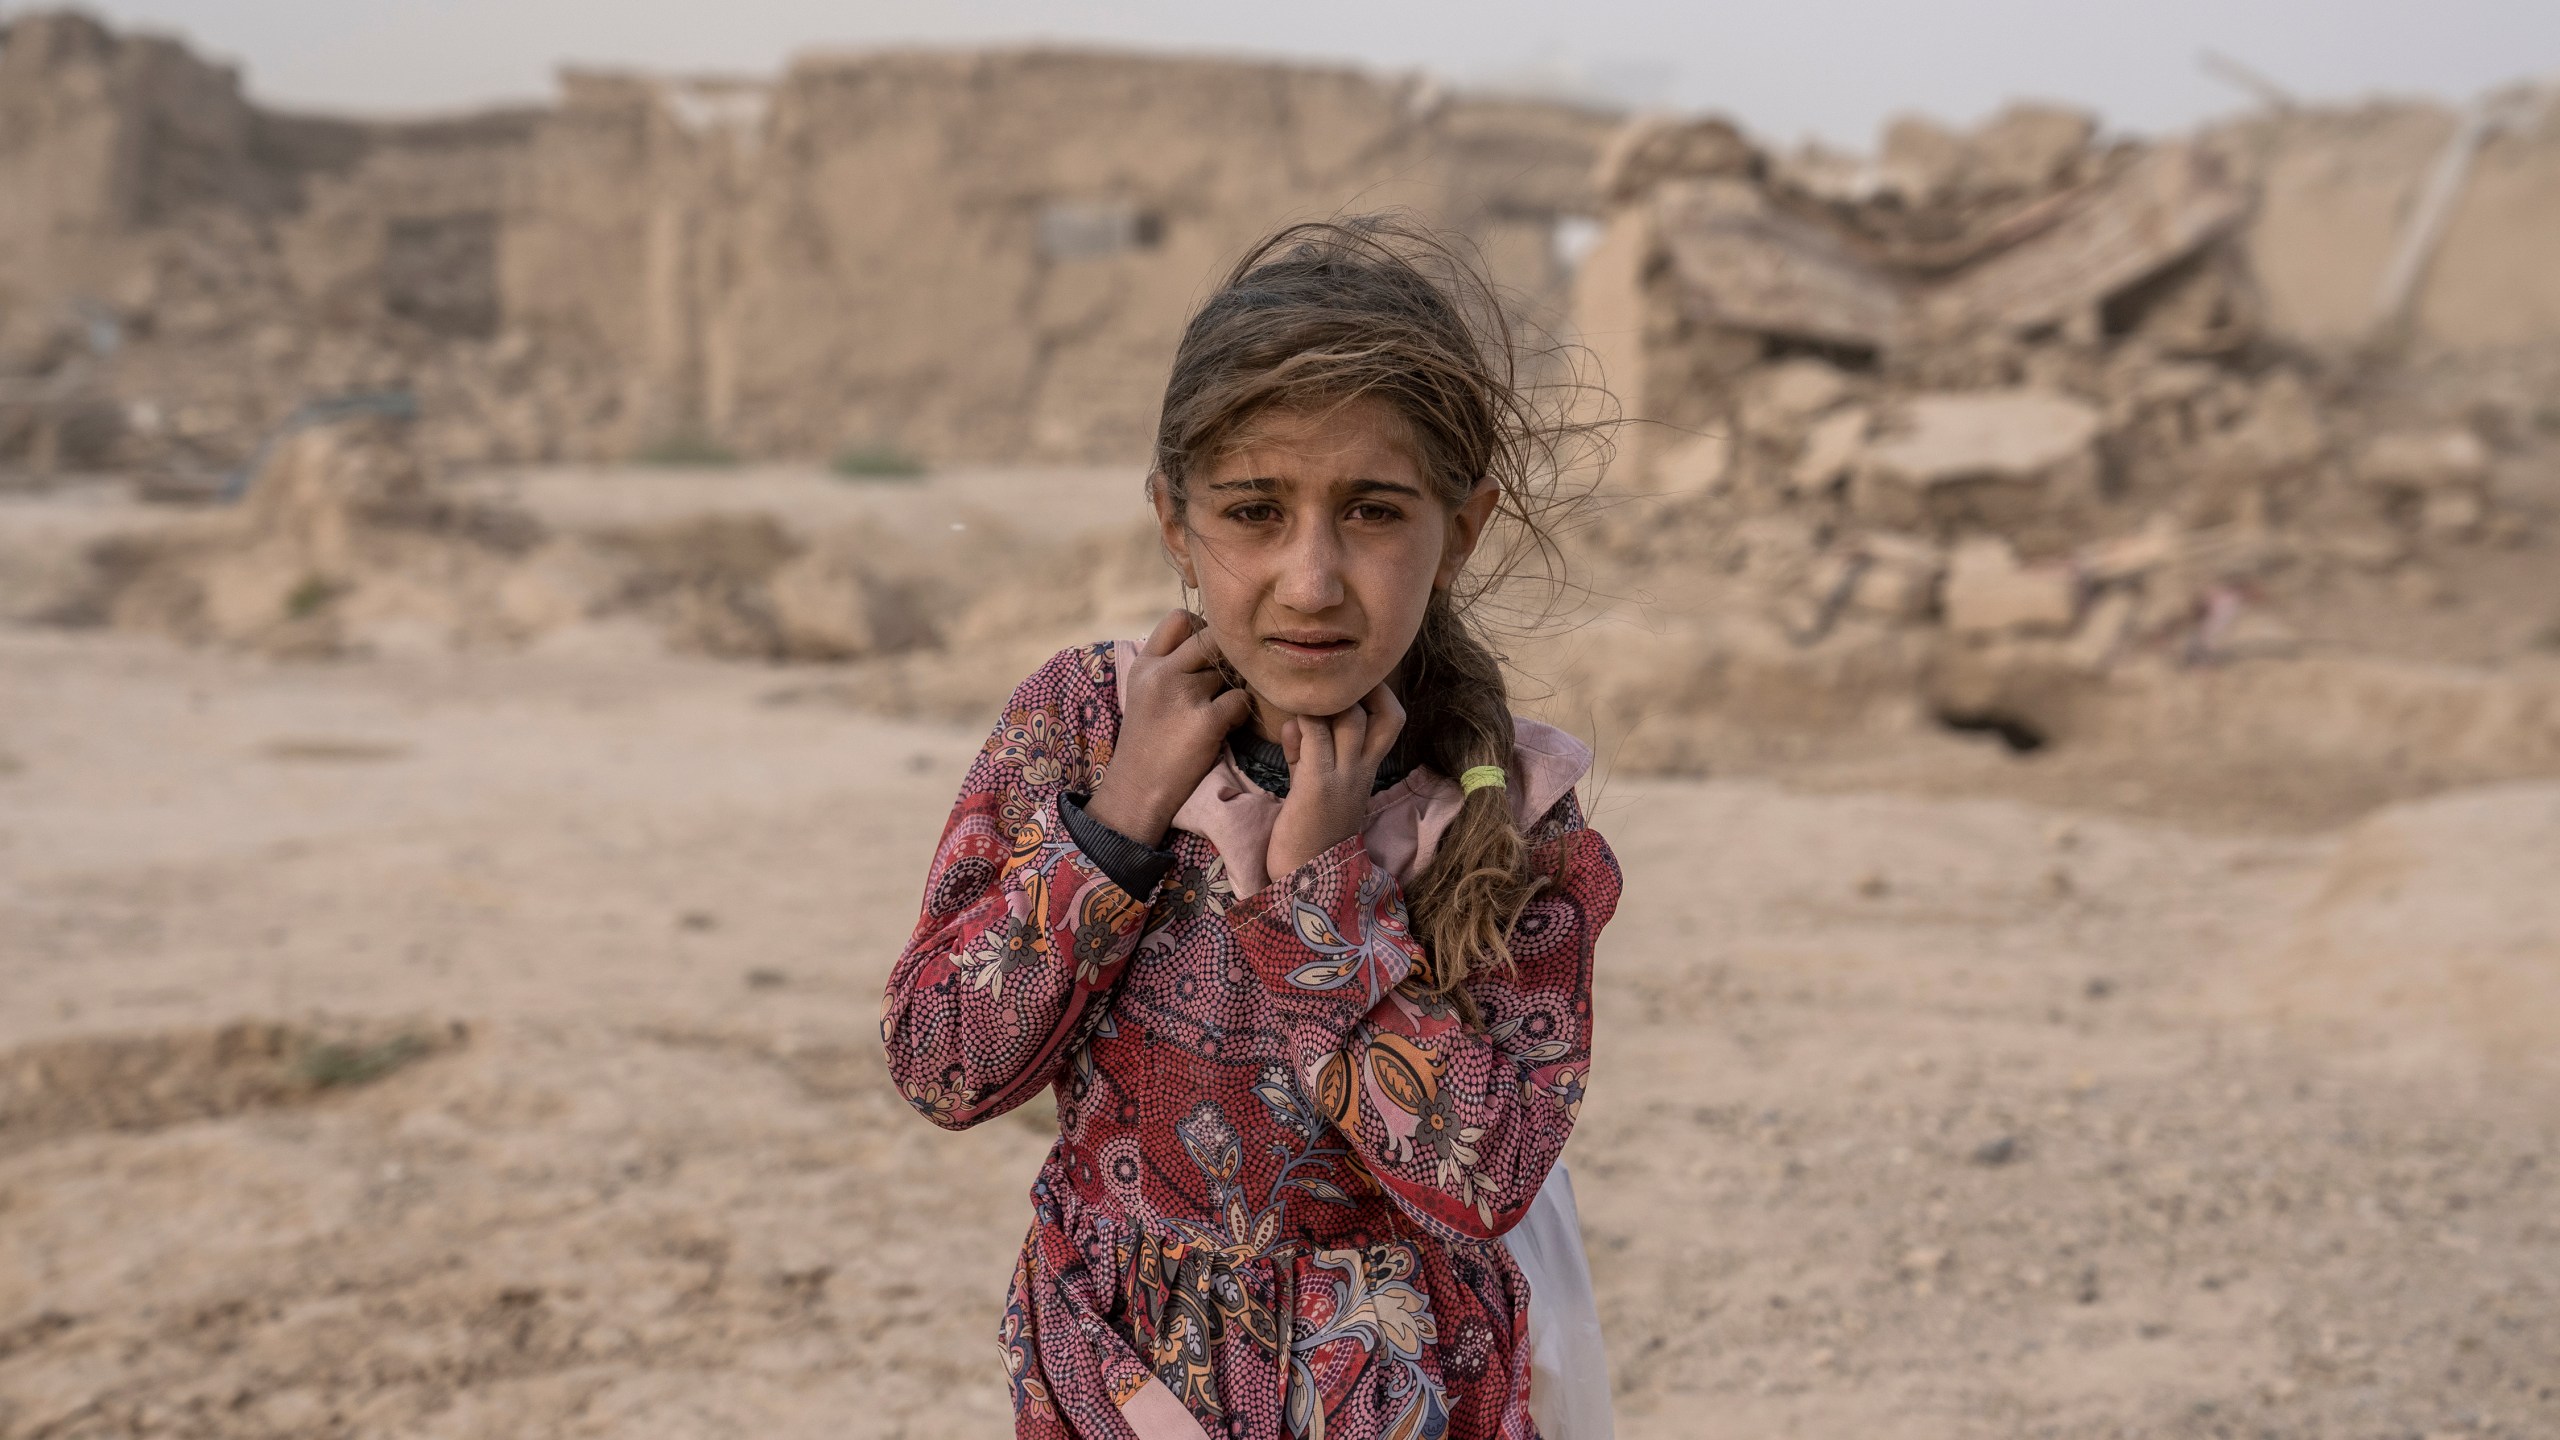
x=1333 y=759
x=1177 y=717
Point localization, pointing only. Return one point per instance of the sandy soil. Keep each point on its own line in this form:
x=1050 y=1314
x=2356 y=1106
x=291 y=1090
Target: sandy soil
x=1916 y=1116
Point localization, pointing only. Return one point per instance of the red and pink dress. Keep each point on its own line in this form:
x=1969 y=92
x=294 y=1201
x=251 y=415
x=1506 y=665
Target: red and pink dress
x=1273 y=1204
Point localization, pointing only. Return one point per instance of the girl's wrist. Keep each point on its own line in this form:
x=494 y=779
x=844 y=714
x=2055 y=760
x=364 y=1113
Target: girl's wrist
x=1140 y=816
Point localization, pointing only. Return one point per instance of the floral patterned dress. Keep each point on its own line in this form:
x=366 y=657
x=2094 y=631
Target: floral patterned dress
x=1272 y=1206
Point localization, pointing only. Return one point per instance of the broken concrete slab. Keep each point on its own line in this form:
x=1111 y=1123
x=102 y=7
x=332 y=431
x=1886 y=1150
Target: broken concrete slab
x=1990 y=592
x=2110 y=235
x=1749 y=263
x=2000 y=434
x=1994 y=458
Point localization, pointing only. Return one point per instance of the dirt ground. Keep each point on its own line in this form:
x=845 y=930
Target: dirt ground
x=486 y=1045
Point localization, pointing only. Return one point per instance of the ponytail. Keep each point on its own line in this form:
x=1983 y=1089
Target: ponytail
x=1464 y=903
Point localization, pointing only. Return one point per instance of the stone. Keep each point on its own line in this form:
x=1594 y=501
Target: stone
x=2128 y=557
x=1830 y=448
x=1779 y=399
x=1997 y=434
x=1999 y=460
x=2423 y=460
x=1989 y=592
x=1899 y=580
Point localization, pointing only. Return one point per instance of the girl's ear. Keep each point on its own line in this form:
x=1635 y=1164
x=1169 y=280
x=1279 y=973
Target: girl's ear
x=1466 y=527
x=1169 y=527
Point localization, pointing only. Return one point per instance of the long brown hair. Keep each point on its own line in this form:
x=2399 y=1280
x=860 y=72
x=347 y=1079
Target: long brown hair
x=1379 y=308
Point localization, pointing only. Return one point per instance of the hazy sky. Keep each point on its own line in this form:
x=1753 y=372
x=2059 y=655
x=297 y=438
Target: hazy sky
x=1787 y=68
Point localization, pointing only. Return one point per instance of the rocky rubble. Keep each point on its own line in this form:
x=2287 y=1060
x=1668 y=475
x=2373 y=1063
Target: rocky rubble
x=1991 y=430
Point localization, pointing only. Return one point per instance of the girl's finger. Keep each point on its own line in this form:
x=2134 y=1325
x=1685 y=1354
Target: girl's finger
x=1292 y=741
x=1170 y=632
x=1200 y=652
x=1316 y=749
x=1386 y=721
x=1350 y=733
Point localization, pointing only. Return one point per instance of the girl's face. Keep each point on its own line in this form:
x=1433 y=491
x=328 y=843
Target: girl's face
x=1315 y=549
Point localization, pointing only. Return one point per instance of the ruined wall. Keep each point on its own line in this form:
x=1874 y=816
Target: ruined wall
x=992 y=255
x=2337 y=189
x=954 y=255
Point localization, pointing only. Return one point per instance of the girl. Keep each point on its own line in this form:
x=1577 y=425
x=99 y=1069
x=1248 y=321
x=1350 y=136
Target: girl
x=1292 y=912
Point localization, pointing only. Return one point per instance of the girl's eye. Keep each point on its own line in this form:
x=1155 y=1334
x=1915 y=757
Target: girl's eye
x=1254 y=512
x=1375 y=511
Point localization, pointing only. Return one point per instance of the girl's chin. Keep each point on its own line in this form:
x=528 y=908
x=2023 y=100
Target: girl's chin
x=1303 y=695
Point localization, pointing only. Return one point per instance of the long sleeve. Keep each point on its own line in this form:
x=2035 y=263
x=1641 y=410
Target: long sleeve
x=1458 y=1126
x=1022 y=936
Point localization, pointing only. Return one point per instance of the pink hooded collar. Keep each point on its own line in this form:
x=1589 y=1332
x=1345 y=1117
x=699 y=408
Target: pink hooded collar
x=1406 y=820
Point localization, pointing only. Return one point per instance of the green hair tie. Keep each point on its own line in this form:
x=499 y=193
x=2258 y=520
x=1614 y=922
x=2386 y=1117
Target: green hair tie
x=1479 y=776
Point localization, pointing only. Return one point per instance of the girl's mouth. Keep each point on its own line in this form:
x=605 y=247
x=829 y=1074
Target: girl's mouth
x=1311 y=646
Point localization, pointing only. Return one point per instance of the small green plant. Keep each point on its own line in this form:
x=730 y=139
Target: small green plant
x=687 y=447
x=877 y=462
x=333 y=1063
x=311 y=596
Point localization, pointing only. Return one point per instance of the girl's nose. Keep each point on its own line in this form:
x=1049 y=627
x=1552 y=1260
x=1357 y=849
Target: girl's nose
x=1311 y=571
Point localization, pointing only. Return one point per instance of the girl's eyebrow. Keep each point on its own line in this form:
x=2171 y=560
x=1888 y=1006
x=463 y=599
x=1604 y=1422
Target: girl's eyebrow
x=1269 y=484
x=1390 y=487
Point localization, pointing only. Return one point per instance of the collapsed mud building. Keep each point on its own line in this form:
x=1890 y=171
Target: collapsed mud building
x=2030 y=430
x=954 y=256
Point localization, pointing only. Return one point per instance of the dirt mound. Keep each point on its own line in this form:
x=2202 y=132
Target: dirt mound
x=145 y=1082
x=341 y=540
x=349 y=542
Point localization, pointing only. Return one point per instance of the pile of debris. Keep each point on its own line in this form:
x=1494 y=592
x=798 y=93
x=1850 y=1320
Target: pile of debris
x=1992 y=425
x=347 y=541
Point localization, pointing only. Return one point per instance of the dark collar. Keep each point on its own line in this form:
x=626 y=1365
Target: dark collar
x=1267 y=765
